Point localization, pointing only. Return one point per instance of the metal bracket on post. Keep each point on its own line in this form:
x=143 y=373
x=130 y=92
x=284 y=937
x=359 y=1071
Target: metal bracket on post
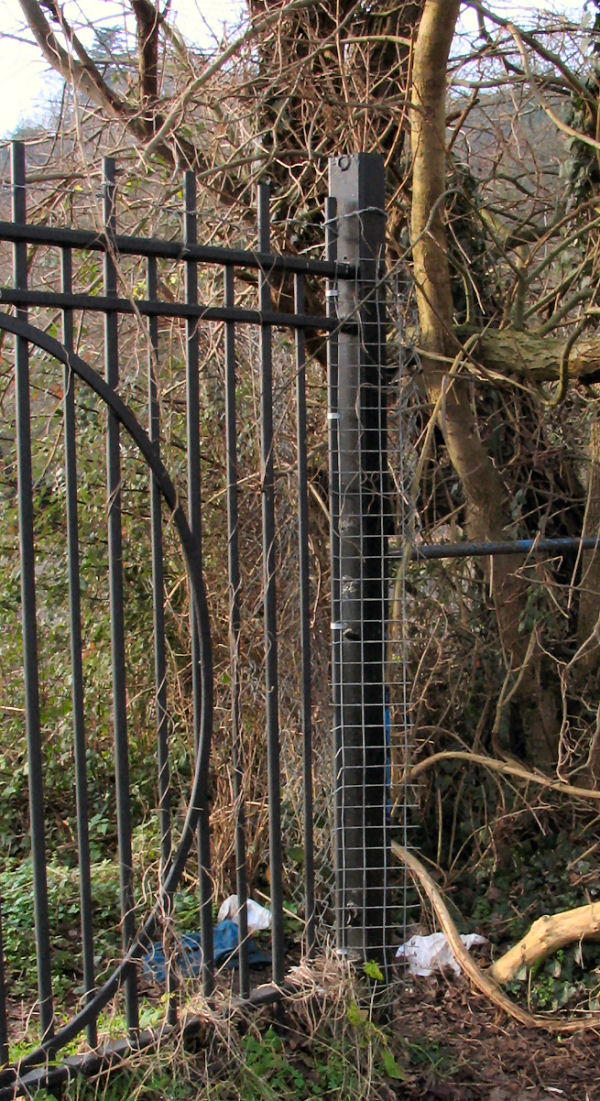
x=358 y=476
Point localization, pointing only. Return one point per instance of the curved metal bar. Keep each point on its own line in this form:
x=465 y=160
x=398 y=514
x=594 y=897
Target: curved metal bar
x=191 y=551
x=91 y=1063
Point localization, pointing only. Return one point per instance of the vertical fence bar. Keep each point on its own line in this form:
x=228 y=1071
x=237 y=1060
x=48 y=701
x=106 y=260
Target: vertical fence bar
x=234 y=633
x=270 y=595
x=29 y=617
x=158 y=616
x=304 y=584
x=4 y=1052
x=357 y=183
x=117 y=622
x=334 y=551
x=195 y=511
x=77 y=696
x=160 y=662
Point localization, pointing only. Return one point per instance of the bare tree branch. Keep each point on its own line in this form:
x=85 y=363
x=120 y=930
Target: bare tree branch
x=82 y=74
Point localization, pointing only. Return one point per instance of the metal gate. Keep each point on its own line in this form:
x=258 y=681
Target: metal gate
x=49 y=313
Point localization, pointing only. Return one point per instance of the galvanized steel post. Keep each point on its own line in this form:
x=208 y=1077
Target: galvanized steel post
x=358 y=466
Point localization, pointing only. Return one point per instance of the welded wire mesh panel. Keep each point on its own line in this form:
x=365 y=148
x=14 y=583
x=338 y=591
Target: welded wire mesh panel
x=403 y=404
x=368 y=703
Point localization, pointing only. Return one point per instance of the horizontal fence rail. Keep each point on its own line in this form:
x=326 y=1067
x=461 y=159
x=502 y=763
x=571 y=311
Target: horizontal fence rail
x=558 y=545
x=188 y=310
x=173 y=250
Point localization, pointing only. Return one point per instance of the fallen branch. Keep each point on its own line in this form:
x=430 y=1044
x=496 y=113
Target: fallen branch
x=549 y=933
x=481 y=980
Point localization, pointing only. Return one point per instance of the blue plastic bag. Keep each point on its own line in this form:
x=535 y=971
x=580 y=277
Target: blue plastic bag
x=189 y=955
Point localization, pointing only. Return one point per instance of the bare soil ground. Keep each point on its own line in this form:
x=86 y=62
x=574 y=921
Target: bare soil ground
x=458 y=1047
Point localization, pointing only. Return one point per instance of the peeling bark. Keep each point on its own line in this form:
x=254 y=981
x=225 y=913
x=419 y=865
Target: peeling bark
x=549 y=933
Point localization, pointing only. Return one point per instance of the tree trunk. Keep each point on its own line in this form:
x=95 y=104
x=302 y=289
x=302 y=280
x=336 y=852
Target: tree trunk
x=587 y=624
x=485 y=495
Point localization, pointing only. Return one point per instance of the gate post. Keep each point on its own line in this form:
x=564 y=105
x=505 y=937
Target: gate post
x=358 y=465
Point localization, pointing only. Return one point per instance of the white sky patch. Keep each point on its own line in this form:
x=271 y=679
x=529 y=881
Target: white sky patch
x=28 y=89
x=524 y=13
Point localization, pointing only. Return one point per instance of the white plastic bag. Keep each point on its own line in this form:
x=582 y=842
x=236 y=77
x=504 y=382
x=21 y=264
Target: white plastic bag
x=424 y=955
x=259 y=918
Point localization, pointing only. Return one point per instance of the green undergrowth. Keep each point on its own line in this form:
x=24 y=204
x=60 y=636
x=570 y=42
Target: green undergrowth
x=570 y=979
x=64 y=912
x=16 y=887
x=520 y=882
x=332 y=1043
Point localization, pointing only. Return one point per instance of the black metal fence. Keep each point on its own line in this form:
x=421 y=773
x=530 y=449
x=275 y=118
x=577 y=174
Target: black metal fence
x=67 y=310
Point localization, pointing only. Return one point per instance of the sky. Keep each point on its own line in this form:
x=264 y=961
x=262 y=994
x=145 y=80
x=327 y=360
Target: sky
x=27 y=86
